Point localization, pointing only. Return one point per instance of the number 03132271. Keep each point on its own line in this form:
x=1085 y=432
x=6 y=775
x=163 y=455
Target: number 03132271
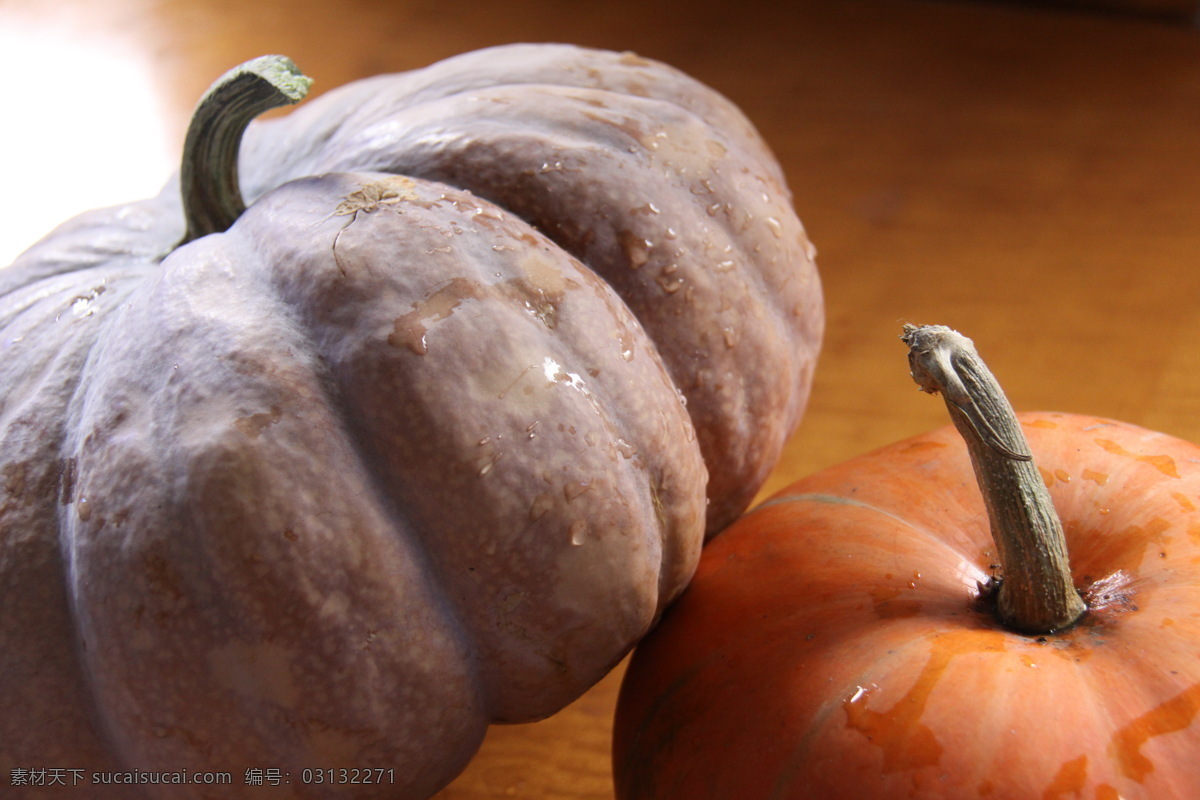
x=340 y=776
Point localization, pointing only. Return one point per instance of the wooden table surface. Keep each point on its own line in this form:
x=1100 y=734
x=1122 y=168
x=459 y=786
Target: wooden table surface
x=1030 y=177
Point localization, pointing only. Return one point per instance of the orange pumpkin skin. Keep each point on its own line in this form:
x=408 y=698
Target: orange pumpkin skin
x=835 y=643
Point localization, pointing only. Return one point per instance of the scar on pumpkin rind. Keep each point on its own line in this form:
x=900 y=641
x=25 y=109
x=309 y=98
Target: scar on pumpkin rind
x=368 y=198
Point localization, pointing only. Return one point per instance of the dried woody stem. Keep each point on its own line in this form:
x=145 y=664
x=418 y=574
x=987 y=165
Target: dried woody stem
x=1036 y=594
x=212 y=197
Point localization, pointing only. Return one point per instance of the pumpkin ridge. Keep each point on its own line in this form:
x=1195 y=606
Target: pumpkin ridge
x=349 y=353
x=222 y=552
x=793 y=763
x=821 y=498
x=520 y=65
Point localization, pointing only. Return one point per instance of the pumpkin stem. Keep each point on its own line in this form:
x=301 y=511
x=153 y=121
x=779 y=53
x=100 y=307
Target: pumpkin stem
x=1037 y=594
x=212 y=197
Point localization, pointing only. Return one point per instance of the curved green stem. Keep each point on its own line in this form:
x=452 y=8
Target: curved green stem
x=1037 y=594
x=212 y=197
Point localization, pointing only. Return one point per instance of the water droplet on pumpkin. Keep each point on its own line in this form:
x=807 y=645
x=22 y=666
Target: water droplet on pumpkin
x=776 y=227
x=541 y=506
x=637 y=249
x=668 y=280
x=488 y=464
x=626 y=449
x=81 y=305
x=860 y=693
x=574 y=489
x=578 y=531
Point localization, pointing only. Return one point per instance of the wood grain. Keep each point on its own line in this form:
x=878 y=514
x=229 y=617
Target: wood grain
x=1028 y=176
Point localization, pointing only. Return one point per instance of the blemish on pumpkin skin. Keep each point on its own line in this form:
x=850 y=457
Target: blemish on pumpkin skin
x=1153 y=531
x=367 y=199
x=161 y=578
x=1163 y=463
x=409 y=330
x=1173 y=715
x=1184 y=501
x=373 y=196
x=907 y=744
x=255 y=424
x=1070 y=780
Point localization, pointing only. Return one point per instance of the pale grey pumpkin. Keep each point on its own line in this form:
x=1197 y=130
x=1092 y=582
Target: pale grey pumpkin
x=414 y=443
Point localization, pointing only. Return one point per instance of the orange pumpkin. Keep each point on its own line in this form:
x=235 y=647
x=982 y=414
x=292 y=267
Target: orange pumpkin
x=842 y=640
